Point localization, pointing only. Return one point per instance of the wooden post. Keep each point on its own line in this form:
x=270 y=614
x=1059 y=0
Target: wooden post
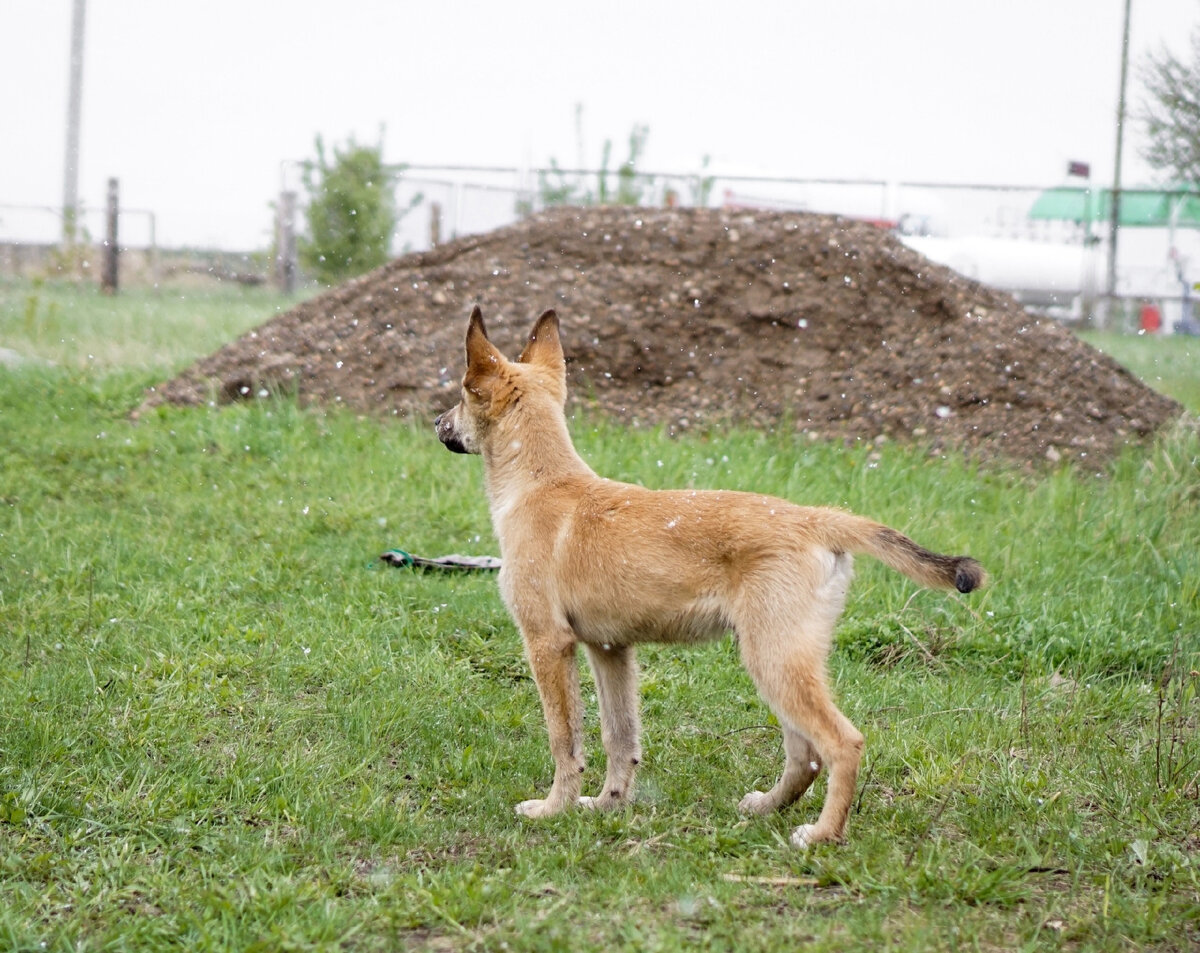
x=285 y=242
x=153 y=251
x=435 y=224
x=109 y=269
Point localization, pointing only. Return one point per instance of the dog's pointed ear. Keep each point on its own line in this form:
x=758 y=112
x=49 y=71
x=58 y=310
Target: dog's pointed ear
x=545 y=346
x=481 y=353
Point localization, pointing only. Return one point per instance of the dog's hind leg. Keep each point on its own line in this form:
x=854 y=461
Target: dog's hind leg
x=551 y=654
x=615 y=671
x=797 y=693
x=784 y=649
x=795 y=689
x=799 y=770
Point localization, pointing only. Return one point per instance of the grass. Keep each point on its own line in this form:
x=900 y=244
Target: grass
x=76 y=326
x=1170 y=364
x=225 y=726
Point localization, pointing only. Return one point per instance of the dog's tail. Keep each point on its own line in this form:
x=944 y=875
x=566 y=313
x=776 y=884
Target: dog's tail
x=855 y=534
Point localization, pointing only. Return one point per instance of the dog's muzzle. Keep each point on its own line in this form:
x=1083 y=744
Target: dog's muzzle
x=443 y=425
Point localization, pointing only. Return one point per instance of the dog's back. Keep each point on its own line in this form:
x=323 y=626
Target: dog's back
x=631 y=565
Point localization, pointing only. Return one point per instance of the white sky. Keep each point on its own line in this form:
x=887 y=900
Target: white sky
x=193 y=105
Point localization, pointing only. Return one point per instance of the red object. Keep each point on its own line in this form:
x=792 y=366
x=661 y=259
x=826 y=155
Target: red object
x=1151 y=318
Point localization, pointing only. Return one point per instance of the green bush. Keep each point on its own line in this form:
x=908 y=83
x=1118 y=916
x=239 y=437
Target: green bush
x=352 y=211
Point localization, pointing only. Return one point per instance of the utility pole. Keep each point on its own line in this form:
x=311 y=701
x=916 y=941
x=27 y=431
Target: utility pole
x=1115 y=219
x=70 y=213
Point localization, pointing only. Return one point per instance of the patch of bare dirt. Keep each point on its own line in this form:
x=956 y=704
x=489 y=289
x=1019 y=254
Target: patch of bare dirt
x=692 y=317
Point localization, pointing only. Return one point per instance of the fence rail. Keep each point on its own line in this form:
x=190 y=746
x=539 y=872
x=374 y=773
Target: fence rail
x=466 y=199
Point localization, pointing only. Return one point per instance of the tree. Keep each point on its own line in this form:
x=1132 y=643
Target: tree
x=1171 y=113
x=557 y=187
x=561 y=191
x=629 y=187
x=351 y=211
x=701 y=185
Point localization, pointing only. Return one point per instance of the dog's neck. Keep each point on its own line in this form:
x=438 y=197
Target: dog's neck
x=525 y=459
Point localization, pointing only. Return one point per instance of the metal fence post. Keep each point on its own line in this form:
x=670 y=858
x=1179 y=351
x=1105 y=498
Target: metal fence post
x=435 y=224
x=285 y=242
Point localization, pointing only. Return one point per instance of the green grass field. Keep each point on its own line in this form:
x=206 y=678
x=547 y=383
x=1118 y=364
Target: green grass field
x=1171 y=365
x=224 y=725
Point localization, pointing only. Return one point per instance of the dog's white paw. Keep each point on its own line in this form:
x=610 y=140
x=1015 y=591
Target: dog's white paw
x=537 y=808
x=802 y=836
x=602 y=803
x=756 y=802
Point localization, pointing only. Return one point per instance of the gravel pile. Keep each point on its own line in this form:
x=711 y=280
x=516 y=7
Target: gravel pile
x=694 y=317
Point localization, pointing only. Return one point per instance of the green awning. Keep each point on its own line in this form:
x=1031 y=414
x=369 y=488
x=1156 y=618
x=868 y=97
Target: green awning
x=1145 y=208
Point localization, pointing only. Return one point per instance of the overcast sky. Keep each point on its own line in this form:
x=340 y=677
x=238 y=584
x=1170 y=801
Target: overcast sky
x=193 y=105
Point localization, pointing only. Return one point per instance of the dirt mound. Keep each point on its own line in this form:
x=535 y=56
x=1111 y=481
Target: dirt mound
x=688 y=317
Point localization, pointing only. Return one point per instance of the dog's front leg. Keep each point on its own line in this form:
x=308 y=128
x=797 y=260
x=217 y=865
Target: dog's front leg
x=551 y=654
x=615 y=671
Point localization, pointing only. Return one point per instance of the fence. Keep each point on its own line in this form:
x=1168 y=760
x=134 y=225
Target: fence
x=478 y=198
x=984 y=230
x=39 y=251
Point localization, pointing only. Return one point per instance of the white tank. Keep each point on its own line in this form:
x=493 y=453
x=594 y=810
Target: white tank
x=1044 y=273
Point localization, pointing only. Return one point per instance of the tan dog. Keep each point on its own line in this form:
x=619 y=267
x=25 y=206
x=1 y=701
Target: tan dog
x=608 y=564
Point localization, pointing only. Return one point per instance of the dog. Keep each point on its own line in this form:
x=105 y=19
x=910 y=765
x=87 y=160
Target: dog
x=591 y=561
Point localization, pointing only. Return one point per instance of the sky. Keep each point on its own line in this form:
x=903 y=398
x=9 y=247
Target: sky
x=197 y=108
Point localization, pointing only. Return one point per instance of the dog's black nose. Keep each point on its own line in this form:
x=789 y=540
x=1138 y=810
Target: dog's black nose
x=445 y=433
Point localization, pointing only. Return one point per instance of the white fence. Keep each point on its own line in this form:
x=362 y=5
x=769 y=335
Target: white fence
x=983 y=230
